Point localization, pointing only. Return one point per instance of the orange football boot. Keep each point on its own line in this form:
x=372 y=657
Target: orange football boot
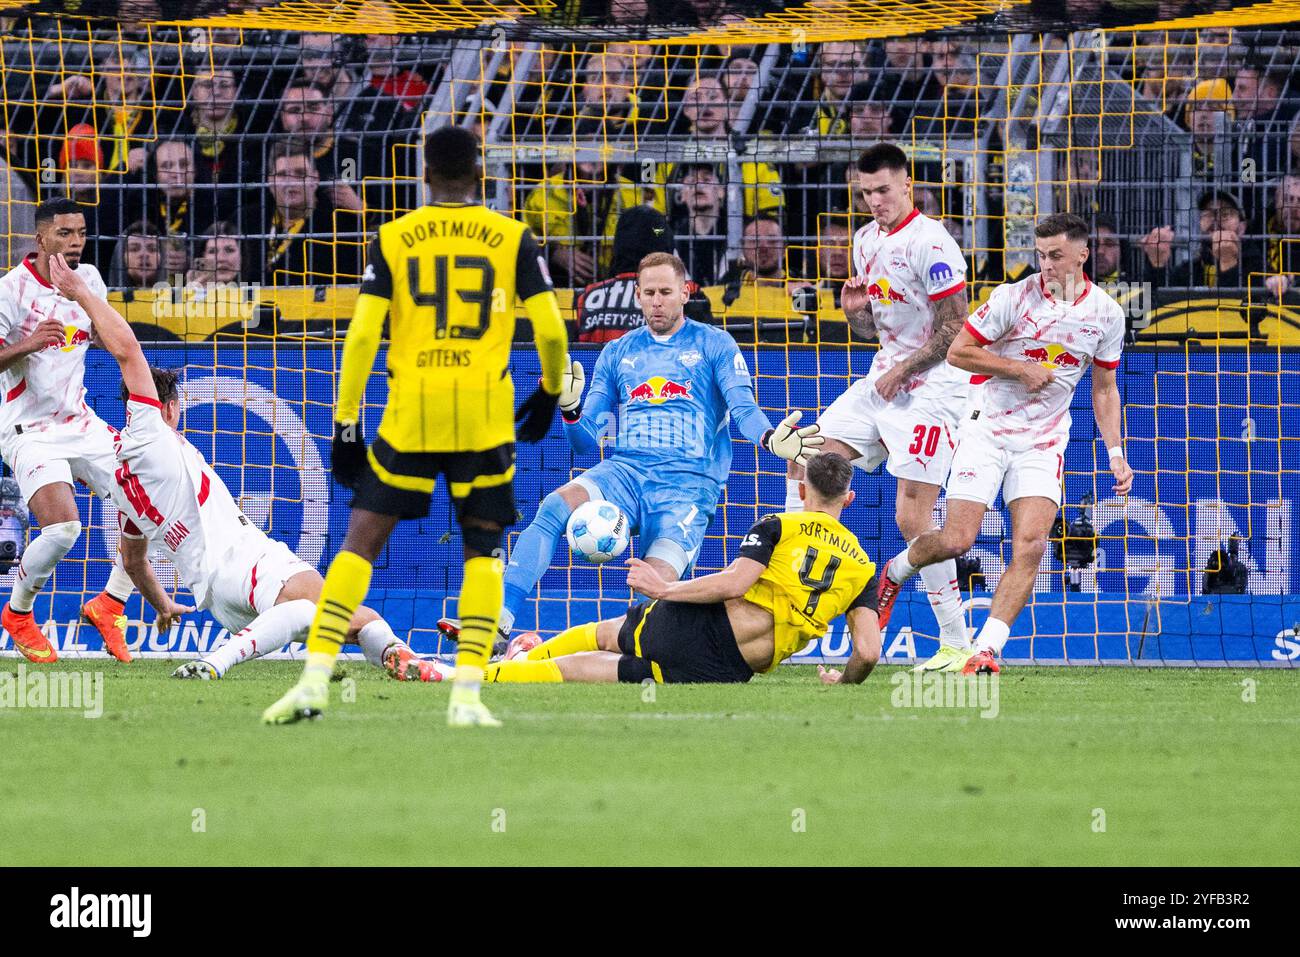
x=27 y=636
x=981 y=663
x=106 y=613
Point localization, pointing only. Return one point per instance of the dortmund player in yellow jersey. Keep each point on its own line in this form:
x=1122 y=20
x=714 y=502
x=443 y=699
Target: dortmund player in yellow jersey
x=796 y=572
x=446 y=276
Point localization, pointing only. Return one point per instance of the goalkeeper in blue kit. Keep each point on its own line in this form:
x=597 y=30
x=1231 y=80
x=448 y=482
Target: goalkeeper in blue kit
x=666 y=393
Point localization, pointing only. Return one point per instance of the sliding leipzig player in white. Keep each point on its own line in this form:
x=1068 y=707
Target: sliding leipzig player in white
x=169 y=497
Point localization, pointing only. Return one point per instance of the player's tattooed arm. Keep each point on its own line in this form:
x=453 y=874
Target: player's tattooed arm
x=949 y=317
x=857 y=307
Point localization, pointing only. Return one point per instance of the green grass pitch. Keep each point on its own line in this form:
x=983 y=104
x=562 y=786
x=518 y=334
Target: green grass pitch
x=1081 y=766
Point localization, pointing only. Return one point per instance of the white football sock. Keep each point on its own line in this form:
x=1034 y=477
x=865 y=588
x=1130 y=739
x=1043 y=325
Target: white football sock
x=792 y=501
x=270 y=631
x=993 y=636
x=945 y=600
x=374 y=640
x=898 y=568
x=38 y=562
x=119 y=584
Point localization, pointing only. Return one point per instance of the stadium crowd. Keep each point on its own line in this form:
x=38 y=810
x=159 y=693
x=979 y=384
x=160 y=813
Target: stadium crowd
x=269 y=159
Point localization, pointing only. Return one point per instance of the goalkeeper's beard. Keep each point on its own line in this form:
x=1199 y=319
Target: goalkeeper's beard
x=662 y=325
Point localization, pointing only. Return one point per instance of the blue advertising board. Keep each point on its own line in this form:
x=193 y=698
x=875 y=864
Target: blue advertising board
x=1210 y=434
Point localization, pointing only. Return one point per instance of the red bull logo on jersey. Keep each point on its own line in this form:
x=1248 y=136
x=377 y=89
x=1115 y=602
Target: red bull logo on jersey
x=73 y=337
x=1052 y=355
x=879 y=290
x=657 y=390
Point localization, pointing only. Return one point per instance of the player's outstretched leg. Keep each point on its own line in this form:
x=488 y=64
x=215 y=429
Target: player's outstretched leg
x=1031 y=522
x=572 y=641
x=928 y=550
x=913 y=513
x=269 y=631
x=479 y=607
x=346 y=584
x=106 y=612
x=531 y=555
x=342 y=593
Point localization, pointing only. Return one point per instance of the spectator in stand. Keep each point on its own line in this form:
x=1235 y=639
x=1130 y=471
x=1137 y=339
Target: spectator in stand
x=1257 y=93
x=340 y=160
x=905 y=81
x=137 y=263
x=1107 y=253
x=1208 y=114
x=224 y=156
x=905 y=65
x=869 y=121
x=763 y=256
x=389 y=92
x=834 y=250
x=297 y=245
x=80 y=159
x=708 y=115
x=122 y=114
x=1109 y=269
x=700 y=221
x=1283 y=232
x=738 y=78
x=840 y=64
x=763 y=264
x=1077 y=192
x=1223 y=258
x=609 y=308
x=323 y=63
x=606 y=100
x=170 y=200
x=574 y=213
x=950 y=105
x=1164 y=83
x=220 y=259
x=1263 y=120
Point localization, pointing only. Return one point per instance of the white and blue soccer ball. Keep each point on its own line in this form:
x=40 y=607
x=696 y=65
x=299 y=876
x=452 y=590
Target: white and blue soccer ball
x=598 y=531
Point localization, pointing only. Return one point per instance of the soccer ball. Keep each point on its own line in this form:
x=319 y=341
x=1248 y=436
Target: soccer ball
x=598 y=530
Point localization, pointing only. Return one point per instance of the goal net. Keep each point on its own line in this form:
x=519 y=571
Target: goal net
x=235 y=164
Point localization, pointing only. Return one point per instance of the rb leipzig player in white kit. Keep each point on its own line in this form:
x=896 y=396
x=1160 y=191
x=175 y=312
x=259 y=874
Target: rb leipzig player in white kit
x=909 y=289
x=170 y=498
x=48 y=436
x=1028 y=348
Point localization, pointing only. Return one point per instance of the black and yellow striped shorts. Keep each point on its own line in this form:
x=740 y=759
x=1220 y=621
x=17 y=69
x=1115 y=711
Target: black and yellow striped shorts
x=401 y=484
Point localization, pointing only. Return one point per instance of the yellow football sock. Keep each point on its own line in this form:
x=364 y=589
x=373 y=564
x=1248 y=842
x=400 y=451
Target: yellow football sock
x=481 y=597
x=346 y=584
x=524 y=672
x=576 y=639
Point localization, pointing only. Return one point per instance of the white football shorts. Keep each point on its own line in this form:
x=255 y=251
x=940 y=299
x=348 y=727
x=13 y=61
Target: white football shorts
x=250 y=581
x=980 y=469
x=914 y=435
x=68 y=452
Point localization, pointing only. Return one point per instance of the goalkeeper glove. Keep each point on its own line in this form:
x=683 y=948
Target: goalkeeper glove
x=575 y=377
x=795 y=445
x=348 y=454
x=534 y=416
